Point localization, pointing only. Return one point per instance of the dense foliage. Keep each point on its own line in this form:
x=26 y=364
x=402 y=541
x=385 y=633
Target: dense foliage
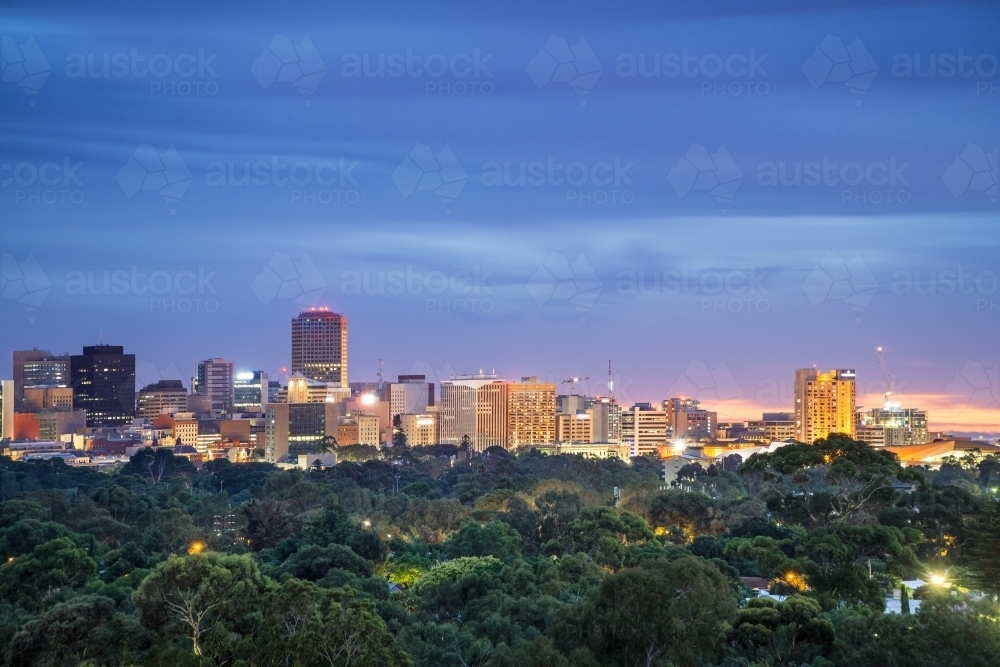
x=501 y=560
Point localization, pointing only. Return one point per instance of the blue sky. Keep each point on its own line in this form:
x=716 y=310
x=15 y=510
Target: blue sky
x=684 y=247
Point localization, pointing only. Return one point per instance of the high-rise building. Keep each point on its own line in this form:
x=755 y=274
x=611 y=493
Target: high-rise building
x=6 y=409
x=686 y=420
x=606 y=417
x=103 y=380
x=319 y=346
x=250 y=391
x=162 y=398
x=36 y=399
x=824 y=403
x=575 y=427
x=644 y=429
x=531 y=413
x=474 y=406
x=412 y=394
x=38 y=368
x=216 y=379
x=298 y=428
x=420 y=429
x=892 y=426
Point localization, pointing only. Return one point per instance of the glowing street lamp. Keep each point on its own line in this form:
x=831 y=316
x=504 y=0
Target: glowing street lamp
x=196 y=548
x=938 y=579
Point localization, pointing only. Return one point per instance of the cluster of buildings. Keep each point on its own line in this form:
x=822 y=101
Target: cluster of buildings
x=86 y=407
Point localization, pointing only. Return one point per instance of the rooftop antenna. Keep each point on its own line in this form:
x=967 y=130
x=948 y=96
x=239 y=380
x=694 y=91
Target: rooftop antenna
x=611 y=382
x=886 y=378
x=381 y=365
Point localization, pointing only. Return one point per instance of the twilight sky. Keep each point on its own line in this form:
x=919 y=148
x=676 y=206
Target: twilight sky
x=707 y=195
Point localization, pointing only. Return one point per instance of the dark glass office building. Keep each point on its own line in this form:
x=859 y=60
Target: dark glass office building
x=103 y=379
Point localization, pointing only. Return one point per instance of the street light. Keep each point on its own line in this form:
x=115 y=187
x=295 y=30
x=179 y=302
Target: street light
x=938 y=579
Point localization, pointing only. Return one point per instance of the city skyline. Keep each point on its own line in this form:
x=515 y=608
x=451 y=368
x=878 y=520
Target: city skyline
x=708 y=201
x=714 y=387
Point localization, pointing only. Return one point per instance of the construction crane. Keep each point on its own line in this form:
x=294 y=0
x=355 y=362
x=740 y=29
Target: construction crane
x=886 y=378
x=571 y=381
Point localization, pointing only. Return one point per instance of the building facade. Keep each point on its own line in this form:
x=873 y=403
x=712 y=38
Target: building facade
x=412 y=394
x=216 y=379
x=474 y=407
x=250 y=391
x=161 y=398
x=531 y=413
x=298 y=428
x=319 y=346
x=6 y=409
x=644 y=429
x=775 y=425
x=103 y=381
x=38 y=368
x=824 y=403
x=420 y=429
x=36 y=399
x=577 y=427
x=892 y=426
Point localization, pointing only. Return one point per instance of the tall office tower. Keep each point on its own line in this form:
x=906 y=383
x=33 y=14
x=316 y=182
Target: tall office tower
x=892 y=426
x=606 y=416
x=38 y=369
x=824 y=403
x=250 y=391
x=319 y=346
x=531 y=413
x=7 y=409
x=103 y=380
x=215 y=379
x=474 y=406
x=163 y=397
x=644 y=429
x=411 y=395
